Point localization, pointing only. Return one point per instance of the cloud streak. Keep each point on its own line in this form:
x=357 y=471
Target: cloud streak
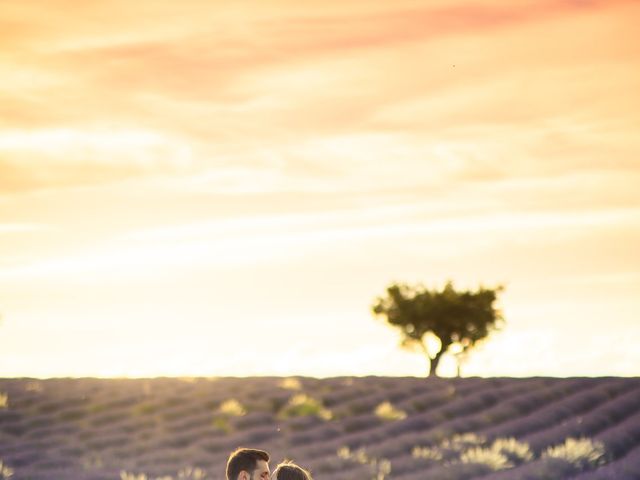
x=308 y=86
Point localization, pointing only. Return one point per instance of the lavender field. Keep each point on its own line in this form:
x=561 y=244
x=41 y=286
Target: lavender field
x=341 y=428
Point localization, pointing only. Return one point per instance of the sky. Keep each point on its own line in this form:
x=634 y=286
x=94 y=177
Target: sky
x=224 y=188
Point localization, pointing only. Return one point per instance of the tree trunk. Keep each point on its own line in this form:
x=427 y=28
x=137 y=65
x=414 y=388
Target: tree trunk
x=433 y=364
x=433 y=361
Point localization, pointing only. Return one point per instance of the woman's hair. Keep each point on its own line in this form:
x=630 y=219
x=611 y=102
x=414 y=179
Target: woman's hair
x=288 y=470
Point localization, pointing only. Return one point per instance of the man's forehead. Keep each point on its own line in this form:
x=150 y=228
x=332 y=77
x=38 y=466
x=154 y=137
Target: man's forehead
x=262 y=466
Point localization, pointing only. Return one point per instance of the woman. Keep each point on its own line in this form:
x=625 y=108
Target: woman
x=288 y=470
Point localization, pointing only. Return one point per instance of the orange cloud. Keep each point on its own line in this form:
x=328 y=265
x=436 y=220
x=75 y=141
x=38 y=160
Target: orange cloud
x=349 y=98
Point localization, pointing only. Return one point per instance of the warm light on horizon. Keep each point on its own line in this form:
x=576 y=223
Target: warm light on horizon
x=211 y=190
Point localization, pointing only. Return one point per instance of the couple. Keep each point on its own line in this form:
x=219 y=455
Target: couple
x=252 y=464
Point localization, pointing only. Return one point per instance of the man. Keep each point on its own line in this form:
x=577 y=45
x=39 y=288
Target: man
x=248 y=464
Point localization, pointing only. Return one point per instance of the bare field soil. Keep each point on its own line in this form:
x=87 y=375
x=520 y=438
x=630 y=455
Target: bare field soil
x=340 y=428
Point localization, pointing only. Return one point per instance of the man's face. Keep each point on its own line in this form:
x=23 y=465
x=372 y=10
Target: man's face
x=261 y=472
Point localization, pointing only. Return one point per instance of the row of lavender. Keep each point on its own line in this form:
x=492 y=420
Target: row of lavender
x=93 y=429
x=604 y=410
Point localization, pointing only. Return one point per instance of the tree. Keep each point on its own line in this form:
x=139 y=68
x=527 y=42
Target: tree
x=461 y=318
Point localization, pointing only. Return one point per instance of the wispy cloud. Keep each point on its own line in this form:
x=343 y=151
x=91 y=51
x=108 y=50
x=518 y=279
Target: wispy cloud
x=67 y=157
x=22 y=227
x=241 y=242
x=227 y=85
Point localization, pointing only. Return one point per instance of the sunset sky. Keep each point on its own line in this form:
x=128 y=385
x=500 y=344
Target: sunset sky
x=223 y=188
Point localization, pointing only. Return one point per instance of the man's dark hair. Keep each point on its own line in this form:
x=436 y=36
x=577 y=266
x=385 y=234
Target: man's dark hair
x=244 y=459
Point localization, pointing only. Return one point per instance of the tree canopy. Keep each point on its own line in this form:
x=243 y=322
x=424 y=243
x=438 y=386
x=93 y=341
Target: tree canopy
x=455 y=317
